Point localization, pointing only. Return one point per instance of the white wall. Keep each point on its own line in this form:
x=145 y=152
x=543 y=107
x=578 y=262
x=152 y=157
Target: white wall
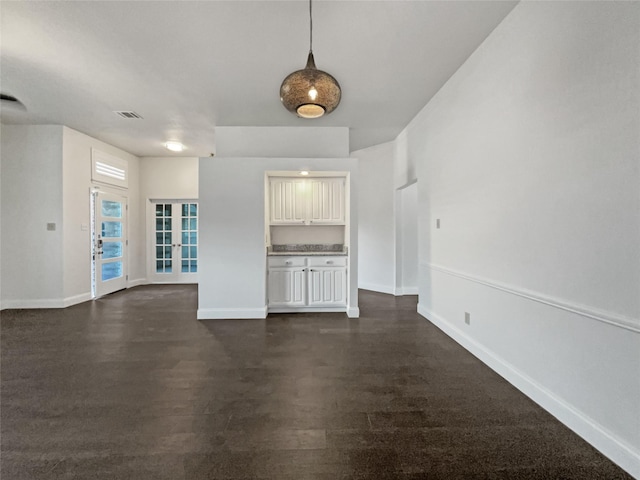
x=376 y=218
x=289 y=142
x=46 y=178
x=407 y=240
x=164 y=178
x=31 y=257
x=232 y=276
x=316 y=234
x=405 y=154
x=76 y=185
x=169 y=178
x=530 y=156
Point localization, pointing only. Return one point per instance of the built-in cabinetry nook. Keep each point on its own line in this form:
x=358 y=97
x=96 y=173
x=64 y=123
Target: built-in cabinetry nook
x=307 y=241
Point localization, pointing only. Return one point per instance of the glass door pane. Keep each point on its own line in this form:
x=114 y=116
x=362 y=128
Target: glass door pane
x=164 y=237
x=189 y=248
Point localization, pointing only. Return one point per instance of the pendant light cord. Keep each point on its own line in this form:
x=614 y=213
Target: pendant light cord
x=310 y=29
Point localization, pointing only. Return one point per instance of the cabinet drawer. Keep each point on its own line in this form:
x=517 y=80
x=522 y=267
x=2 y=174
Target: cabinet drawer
x=286 y=261
x=322 y=261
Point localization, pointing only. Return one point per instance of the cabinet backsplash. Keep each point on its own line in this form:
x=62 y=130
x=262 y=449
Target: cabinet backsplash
x=318 y=234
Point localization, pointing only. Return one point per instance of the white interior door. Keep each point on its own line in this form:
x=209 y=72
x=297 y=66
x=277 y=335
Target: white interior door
x=174 y=234
x=110 y=243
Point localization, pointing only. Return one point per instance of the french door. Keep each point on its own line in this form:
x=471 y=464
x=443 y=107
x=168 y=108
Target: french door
x=174 y=234
x=109 y=231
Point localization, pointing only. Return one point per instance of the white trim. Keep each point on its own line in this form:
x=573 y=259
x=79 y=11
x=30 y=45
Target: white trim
x=407 y=185
x=613 y=447
x=75 y=299
x=406 y=291
x=353 y=312
x=377 y=288
x=306 y=309
x=610 y=318
x=59 y=303
x=231 y=313
x=34 y=303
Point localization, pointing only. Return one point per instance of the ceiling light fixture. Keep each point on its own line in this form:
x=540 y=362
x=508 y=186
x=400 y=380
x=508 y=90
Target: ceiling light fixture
x=310 y=93
x=174 y=146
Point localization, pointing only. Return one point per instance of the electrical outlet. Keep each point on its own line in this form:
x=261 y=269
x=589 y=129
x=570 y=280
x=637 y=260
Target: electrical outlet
x=467 y=318
x=51 y=227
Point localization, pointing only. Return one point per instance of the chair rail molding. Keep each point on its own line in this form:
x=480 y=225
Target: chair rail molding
x=622 y=321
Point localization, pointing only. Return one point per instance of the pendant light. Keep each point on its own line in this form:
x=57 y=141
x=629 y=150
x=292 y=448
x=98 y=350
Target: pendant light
x=310 y=93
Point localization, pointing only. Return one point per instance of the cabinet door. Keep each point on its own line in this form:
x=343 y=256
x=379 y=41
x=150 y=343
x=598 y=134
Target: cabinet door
x=327 y=201
x=327 y=287
x=288 y=201
x=286 y=287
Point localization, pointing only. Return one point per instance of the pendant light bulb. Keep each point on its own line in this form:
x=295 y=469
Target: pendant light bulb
x=310 y=93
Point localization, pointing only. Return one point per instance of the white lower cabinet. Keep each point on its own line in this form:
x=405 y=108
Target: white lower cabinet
x=300 y=282
x=287 y=287
x=327 y=287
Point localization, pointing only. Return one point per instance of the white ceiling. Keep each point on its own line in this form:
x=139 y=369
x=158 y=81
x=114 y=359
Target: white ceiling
x=189 y=66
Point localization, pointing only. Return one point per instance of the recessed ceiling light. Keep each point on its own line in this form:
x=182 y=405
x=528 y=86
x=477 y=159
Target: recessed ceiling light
x=175 y=146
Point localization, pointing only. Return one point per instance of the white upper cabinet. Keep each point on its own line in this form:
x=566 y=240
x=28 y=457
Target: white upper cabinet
x=288 y=201
x=312 y=201
x=327 y=201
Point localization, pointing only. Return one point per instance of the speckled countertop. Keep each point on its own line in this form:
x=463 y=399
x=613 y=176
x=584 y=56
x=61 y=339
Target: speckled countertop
x=307 y=249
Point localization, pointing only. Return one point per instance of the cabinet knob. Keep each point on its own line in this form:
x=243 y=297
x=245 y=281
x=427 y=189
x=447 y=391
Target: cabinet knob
x=288 y=262
x=329 y=262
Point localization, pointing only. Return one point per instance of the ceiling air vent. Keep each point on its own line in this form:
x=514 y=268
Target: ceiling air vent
x=126 y=114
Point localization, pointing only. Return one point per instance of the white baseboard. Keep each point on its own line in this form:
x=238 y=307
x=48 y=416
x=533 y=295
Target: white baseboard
x=75 y=299
x=406 y=291
x=231 y=313
x=377 y=288
x=136 y=282
x=48 y=302
x=306 y=309
x=34 y=303
x=625 y=455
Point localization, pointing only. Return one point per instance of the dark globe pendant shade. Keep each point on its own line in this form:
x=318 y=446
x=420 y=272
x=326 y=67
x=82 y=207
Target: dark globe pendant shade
x=310 y=93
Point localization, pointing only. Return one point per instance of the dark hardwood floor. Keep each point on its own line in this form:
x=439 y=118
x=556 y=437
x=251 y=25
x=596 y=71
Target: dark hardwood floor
x=132 y=386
